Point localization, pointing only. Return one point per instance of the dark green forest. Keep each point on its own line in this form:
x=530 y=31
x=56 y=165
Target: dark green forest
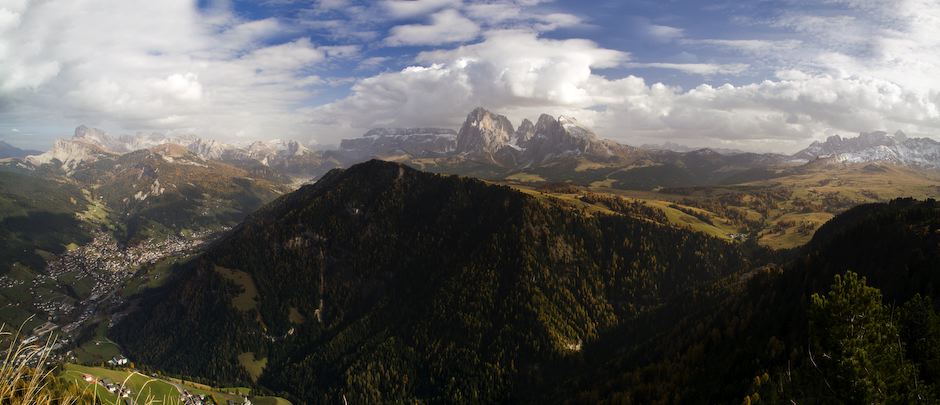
x=381 y=283
x=848 y=319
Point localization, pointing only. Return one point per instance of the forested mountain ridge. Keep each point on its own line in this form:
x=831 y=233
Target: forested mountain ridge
x=382 y=283
x=775 y=333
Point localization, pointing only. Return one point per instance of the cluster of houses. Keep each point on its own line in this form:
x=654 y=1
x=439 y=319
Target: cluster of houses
x=738 y=236
x=118 y=360
x=116 y=389
x=188 y=398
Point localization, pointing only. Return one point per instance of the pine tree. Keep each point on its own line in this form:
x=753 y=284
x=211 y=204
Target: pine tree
x=856 y=346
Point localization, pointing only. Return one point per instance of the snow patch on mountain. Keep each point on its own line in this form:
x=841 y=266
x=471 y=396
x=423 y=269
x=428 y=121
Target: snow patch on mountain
x=88 y=144
x=876 y=147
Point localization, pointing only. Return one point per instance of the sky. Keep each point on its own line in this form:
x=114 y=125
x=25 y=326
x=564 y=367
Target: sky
x=759 y=75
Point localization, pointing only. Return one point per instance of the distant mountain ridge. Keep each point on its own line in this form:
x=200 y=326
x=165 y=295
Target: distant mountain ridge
x=417 y=142
x=88 y=145
x=488 y=145
x=151 y=185
x=876 y=146
x=10 y=151
x=676 y=147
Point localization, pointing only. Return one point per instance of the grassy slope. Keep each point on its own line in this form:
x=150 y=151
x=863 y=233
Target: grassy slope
x=141 y=386
x=156 y=387
x=790 y=208
x=820 y=193
x=97 y=350
x=719 y=228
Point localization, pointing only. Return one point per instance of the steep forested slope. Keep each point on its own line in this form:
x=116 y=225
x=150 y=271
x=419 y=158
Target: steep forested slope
x=382 y=283
x=38 y=217
x=756 y=332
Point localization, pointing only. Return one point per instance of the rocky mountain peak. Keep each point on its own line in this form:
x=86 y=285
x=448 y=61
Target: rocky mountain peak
x=876 y=138
x=525 y=132
x=484 y=133
x=69 y=154
x=876 y=146
x=576 y=129
x=834 y=139
x=92 y=135
x=545 y=122
x=208 y=149
x=491 y=136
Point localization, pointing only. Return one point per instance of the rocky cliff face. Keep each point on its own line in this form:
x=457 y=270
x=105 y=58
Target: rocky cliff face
x=490 y=137
x=561 y=137
x=68 y=154
x=483 y=134
x=208 y=149
x=524 y=133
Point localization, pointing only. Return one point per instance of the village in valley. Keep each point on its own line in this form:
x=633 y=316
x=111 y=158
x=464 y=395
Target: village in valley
x=97 y=279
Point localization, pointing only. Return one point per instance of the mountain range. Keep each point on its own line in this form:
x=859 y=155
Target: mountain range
x=570 y=267
x=876 y=147
x=381 y=283
x=488 y=145
x=153 y=185
x=88 y=145
x=414 y=142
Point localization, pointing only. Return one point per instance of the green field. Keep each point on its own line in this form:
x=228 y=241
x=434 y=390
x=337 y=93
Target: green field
x=142 y=387
x=252 y=365
x=99 y=349
x=155 y=387
x=247 y=299
x=152 y=275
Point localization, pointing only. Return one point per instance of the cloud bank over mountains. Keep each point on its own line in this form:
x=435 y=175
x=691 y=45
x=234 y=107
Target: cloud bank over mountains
x=334 y=68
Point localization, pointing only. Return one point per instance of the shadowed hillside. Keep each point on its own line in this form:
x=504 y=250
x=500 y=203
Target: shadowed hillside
x=382 y=283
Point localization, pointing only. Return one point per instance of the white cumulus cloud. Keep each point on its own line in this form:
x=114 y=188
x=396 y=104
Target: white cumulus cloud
x=143 y=65
x=445 y=27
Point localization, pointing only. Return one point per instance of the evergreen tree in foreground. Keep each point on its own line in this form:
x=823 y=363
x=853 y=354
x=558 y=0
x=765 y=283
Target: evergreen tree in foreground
x=856 y=346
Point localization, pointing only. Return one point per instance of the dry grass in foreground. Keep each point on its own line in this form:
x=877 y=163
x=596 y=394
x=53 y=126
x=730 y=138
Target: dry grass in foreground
x=27 y=376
